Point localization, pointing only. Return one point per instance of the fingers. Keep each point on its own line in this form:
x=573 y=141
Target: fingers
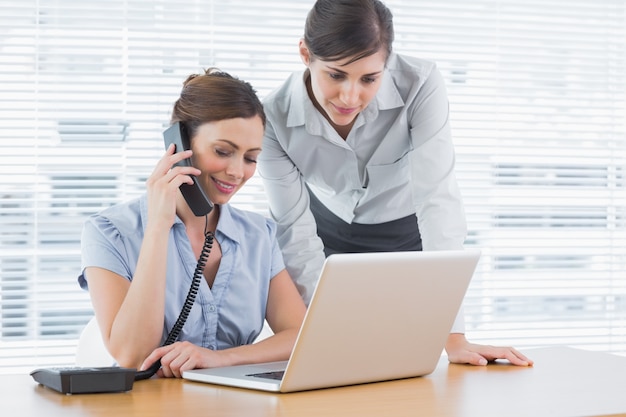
x=153 y=357
x=471 y=358
x=517 y=358
x=166 y=167
x=481 y=355
x=160 y=353
x=508 y=353
x=175 y=359
x=163 y=186
x=478 y=360
x=176 y=366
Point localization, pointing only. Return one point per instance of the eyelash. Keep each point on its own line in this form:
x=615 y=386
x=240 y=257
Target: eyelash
x=224 y=154
x=338 y=77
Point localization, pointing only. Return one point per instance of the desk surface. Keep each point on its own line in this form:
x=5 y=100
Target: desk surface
x=563 y=382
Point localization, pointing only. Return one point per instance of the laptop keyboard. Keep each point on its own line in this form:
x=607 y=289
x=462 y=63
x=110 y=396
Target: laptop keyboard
x=276 y=375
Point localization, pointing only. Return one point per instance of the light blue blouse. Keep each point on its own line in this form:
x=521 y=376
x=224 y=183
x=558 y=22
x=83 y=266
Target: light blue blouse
x=229 y=314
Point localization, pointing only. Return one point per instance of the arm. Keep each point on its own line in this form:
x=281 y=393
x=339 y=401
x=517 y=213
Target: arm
x=123 y=307
x=288 y=199
x=440 y=209
x=285 y=312
x=436 y=195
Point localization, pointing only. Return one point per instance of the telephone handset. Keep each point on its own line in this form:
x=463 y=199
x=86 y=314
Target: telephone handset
x=193 y=193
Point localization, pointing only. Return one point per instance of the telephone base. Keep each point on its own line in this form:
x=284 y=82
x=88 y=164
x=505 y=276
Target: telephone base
x=86 y=380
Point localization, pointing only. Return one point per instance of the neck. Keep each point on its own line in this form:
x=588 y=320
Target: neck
x=197 y=224
x=342 y=130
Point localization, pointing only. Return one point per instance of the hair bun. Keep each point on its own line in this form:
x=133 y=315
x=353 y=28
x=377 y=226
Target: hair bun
x=189 y=79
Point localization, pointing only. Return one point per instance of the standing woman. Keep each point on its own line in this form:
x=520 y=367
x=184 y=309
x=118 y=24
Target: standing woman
x=358 y=155
x=139 y=256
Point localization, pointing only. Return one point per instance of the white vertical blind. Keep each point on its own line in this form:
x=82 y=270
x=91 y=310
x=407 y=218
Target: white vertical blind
x=538 y=108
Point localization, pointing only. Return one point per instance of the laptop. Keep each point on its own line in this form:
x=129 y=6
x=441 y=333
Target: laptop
x=372 y=317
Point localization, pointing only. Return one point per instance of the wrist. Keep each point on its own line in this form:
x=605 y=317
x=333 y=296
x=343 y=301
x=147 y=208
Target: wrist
x=455 y=340
x=156 y=229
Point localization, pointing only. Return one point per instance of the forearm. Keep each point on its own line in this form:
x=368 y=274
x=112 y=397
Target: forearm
x=304 y=257
x=138 y=326
x=277 y=347
x=288 y=198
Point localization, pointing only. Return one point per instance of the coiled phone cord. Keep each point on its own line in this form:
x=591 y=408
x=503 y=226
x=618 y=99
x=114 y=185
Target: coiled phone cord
x=184 y=313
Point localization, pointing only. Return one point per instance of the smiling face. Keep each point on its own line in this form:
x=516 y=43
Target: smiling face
x=339 y=91
x=226 y=152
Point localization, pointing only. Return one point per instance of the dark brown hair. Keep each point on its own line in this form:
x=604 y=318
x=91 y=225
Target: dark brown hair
x=214 y=96
x=340 y=29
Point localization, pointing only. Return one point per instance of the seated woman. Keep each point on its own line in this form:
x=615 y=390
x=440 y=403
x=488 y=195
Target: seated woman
x=139 y=257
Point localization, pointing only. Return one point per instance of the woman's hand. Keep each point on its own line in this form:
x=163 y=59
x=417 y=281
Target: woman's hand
x=459 y=350
x=182 y=356
x=164 y=183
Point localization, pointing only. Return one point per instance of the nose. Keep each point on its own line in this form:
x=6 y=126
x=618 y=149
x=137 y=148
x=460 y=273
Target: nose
x=235 y=168
x=349 y=93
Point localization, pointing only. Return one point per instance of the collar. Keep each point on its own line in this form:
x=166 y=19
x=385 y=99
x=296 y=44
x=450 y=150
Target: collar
x=301 y=104
x=226 y=225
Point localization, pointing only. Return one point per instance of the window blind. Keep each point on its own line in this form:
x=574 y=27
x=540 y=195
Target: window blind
x=537 y=109
x=537 y=99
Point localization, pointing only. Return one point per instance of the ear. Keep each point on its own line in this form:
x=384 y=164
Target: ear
x=305 y=54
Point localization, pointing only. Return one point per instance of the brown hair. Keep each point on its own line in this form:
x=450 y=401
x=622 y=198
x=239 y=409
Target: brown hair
x=340 y=29
x=214 y=96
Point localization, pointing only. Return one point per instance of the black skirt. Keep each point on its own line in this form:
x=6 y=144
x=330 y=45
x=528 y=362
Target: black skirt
x=341 y=237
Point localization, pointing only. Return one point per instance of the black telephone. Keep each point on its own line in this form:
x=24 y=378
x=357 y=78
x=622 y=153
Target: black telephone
x=194 y=194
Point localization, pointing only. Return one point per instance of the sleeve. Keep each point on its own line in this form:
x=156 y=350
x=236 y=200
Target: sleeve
x=102 y=246
x=436 y=196
x=288 y=198
x=276 y=256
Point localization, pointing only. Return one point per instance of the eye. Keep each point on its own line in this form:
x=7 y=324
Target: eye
x=336 y=76
x=369 y=80
x=222 y=153
x=251 y=157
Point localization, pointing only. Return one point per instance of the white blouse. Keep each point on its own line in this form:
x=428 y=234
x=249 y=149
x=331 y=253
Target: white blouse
x=397 y=160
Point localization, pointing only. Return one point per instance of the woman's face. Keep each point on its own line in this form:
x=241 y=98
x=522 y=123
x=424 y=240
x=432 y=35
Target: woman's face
x=341 y=91
x=226 y=152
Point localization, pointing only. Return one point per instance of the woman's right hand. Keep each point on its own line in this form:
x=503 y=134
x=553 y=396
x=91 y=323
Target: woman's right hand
x=163 y=185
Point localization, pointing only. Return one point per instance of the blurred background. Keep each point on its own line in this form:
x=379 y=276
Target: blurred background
x=538 y=106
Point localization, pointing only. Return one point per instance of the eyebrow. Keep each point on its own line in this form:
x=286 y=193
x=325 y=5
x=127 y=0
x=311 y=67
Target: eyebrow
x=364 y=75
x=234 y=145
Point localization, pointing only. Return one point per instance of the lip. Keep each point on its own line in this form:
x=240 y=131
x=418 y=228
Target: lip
x=344 y=110
x=224 y=187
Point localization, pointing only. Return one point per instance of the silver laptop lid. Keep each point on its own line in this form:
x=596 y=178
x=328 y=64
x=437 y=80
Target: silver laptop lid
x=379 y=316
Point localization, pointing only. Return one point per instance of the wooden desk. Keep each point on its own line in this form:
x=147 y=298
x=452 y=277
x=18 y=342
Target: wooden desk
x=563 y=382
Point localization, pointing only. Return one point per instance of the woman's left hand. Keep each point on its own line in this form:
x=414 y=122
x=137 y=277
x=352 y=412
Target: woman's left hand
x=181 y=356
x=459 y=350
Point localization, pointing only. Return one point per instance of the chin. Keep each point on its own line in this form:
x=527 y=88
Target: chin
x=343 y=122
x=344 y=119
